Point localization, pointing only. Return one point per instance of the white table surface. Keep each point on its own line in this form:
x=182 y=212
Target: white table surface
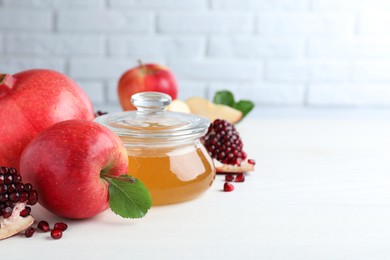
x=321 y=190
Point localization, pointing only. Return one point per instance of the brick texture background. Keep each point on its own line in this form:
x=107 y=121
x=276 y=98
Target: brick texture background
x=303 y=53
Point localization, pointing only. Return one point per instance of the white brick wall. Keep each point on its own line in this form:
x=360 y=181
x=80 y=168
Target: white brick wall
x=328 y=53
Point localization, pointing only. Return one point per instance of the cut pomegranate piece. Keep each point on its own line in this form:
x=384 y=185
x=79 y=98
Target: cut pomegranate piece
x=14 y=195
x=225 y=146
x=244 y=166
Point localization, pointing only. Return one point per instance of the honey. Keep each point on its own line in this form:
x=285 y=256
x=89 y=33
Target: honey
x=172 y=174
x=164 y=148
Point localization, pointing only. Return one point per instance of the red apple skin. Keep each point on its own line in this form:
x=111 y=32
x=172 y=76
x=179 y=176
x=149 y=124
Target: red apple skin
x=146 y=77
x=64 y=162
x=31 y=101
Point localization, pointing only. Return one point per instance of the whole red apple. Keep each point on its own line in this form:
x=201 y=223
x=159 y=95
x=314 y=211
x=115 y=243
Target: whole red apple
x=145 y=77
x=31 y=101
x=65 y=163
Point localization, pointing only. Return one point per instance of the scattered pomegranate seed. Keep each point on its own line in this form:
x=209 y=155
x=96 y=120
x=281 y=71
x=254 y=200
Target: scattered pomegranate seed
x=251 y=161
x=29 y=232
x=240 y=177
x=60 y=225
x=44 y=226
x=229 y=177
x=56 y=233
x=228 y=187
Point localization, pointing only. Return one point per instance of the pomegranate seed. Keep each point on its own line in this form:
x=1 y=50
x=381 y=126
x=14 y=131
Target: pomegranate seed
x=44 y=226
x=27 y=187
x=56 y=233
x=6 y=212
x=23 y=196
x=61 y=226
x=25 y=212
x=228 y=187
x=14 y=196
x=3 y=188
x=251 y=161
x=33 y=197
x=229 y=177
x=240 y=177
x=8 y=179
x=29 y=232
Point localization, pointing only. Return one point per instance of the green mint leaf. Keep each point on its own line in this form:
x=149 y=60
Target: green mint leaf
x=245 y=106
x=224 y=97
x=128 y=199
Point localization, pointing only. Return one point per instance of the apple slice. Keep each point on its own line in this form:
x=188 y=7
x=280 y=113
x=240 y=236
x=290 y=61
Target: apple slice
x=205 y=108
x=247 y=165
x=178 y=106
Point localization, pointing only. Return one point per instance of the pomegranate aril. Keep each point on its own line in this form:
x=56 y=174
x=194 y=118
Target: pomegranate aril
x=14 y=196
x=29 y=232
x=19 y=187
x=6 y=212
x=17 y=178
x=251 y=161
x=229 y=177
x=56 y=233
x=27 y=187
x=3 y=188
x=33 y=197
x=23 y=196
x=44 y=226
x=11 y=188
x=25 y=212
x=3 y=170
x=228 y=187
x=60 y=225
x=3 y=197
x=8 y=179
x=9 y=203
x=240 y=177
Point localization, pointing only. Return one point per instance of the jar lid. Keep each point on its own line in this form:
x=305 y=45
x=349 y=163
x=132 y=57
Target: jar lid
x=151 y=124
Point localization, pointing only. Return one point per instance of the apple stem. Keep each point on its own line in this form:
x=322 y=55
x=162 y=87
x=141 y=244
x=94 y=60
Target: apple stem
x=142 y=65
x=7 y=81
x=119 y=178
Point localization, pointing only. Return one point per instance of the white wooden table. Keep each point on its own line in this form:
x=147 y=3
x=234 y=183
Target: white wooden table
x=321 y=190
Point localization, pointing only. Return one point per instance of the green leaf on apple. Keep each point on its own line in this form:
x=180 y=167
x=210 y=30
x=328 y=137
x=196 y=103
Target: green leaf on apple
x=129 y=198
x=225 y=97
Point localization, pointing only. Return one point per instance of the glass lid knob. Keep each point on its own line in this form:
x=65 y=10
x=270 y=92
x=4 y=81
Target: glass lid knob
x=150 y=102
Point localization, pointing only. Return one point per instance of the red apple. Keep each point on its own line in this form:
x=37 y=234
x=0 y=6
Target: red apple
x=31 y=101
x=145 y=77
x=65 y=163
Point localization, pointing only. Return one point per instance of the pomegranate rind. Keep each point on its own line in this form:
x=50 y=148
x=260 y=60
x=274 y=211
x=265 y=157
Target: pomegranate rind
x=15 y=226
x=245 y=166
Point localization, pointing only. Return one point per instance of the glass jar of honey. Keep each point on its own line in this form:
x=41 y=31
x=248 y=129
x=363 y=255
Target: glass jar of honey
x=164 y=148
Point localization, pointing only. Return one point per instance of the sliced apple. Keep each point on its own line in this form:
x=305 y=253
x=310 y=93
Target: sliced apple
x=205 y=108
x=245 y=166
x=178 y=106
